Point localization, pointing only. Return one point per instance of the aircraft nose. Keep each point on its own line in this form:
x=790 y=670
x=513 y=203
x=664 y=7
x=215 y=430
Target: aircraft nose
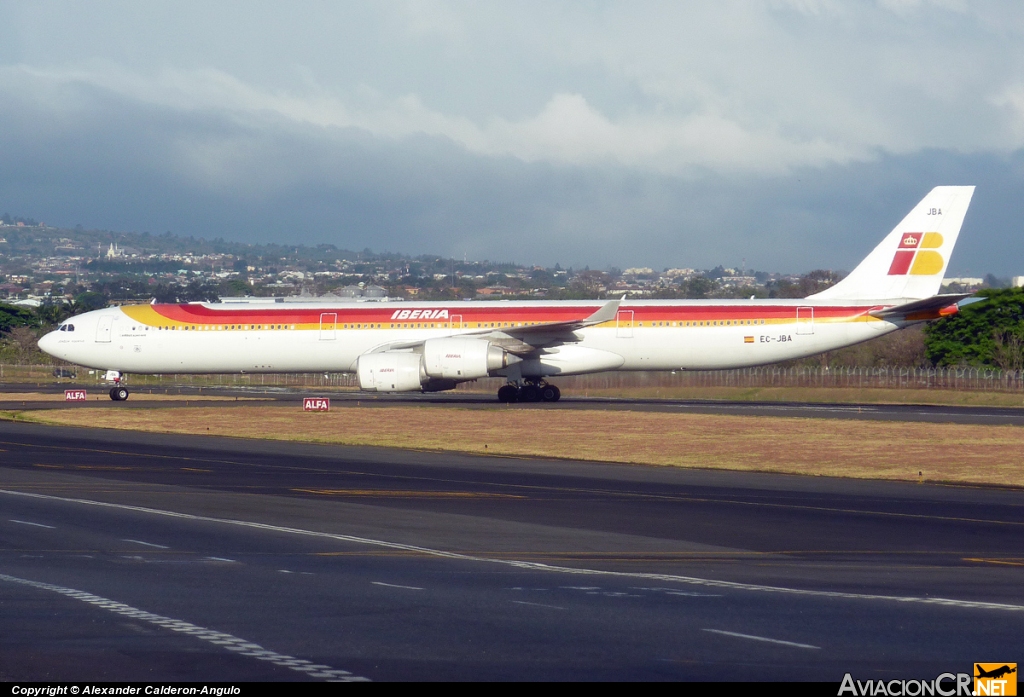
x=48 y=343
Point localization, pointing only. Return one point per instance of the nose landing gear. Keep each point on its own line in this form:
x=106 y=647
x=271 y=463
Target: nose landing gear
x=532 y=391
x=119 y=393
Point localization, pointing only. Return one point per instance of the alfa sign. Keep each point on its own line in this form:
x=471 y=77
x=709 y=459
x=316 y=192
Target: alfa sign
x=316 y=404
x=75 y=396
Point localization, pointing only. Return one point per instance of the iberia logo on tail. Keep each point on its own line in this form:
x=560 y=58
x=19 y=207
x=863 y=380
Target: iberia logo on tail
x=916 y=255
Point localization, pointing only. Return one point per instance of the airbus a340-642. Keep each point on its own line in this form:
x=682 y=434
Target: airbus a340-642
x=418 y=346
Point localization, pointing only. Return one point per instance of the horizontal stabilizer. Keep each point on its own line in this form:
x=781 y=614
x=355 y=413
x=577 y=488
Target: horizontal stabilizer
x=929 y=308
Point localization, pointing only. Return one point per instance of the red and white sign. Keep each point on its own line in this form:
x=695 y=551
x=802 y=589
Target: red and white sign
x=316 y=404
x=75 y=396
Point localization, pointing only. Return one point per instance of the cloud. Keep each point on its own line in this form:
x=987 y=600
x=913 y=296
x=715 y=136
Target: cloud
x=567 y=130
x=735 y=86
x=791 y=133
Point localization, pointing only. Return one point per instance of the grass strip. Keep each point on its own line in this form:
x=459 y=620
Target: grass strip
x=908 y=451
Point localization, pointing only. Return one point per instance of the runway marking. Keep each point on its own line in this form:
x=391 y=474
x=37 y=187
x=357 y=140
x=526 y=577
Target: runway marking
x=550 y=607
x=99 y=468
x=232 y=561
x=1004 y=562
x=35 y=525
x=602 y=492
x=147 y=544
x=676 y=591
x=532 y=565
x=393 y=493
x=394 y=585
x=761 y=638
x=227 y=641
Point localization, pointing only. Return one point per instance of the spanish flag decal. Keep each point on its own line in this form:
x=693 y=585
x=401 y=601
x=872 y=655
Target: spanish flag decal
x=748 y=340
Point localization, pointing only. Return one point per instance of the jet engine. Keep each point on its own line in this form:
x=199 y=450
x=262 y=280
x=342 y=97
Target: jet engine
x=442 y=364
x=391 y=372
x=463 y=359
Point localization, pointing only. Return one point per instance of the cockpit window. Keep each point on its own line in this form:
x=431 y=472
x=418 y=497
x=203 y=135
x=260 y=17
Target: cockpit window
x=66 y=328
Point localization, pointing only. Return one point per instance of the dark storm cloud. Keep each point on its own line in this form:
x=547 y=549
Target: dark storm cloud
x=113 y=163
x=789 y=133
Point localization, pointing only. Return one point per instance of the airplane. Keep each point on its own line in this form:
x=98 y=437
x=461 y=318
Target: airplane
x=995 y=673
x=433 y=346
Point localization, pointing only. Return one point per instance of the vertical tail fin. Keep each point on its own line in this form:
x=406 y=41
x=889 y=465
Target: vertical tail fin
x=911 y=261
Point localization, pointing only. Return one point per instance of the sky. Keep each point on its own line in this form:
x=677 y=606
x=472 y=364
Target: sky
x=782 y=135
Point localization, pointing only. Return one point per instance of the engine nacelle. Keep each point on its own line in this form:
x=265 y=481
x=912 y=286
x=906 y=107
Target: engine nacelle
x=391 y=372
x=463 y=358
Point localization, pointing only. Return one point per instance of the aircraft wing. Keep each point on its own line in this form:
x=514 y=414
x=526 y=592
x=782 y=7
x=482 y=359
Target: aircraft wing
x=526 y=339
x=929 y=308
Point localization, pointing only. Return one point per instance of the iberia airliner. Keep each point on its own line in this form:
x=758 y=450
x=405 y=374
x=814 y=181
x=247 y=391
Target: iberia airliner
x=404 y=347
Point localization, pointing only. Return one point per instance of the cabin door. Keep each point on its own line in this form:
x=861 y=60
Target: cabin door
x=328 y=326
x=805 y=320
x=103 y=329
x=624 y=324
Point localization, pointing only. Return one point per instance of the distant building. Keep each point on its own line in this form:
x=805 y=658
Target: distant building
x=739 y=281
x=964 y=282
x=1017 y=281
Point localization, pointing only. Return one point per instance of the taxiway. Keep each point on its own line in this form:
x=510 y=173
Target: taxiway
x=127 y=556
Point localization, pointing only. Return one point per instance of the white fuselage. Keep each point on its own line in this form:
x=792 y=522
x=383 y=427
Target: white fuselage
x=293 y=337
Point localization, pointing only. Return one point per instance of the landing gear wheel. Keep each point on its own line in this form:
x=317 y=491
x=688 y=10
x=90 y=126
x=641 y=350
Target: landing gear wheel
x=508 y=394
x=119 y=394
x=529 y=393
x=550 y=393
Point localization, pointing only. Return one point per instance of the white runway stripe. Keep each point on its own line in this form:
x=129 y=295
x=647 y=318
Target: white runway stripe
x=35 y=525
x=147 y=544
x=227 y=641
x=761 y=638
x=537 y=566
x=393 y=585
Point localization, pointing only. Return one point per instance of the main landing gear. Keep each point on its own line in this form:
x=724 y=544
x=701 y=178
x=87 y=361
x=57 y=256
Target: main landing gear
x=119 y=393
x=529 y=392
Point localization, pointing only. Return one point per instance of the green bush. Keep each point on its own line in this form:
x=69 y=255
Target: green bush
x=988 y=333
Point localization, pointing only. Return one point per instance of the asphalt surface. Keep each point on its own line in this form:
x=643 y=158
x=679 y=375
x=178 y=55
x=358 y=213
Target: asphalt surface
x=878 y=412
x=128 y=556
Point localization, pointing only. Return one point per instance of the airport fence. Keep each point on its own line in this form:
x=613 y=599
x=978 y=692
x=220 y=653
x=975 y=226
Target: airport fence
x=49 y=374
x=972 y=379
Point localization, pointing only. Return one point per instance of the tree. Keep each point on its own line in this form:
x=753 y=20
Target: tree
x=20 y=343
x=88 y=301
x=697 y=287
x=51 y=313
x=13 y=316
x=808 y=284
x=989 y=333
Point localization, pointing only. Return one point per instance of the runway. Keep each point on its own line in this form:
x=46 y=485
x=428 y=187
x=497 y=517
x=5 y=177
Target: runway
x=879 y=412
x=129 y=556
